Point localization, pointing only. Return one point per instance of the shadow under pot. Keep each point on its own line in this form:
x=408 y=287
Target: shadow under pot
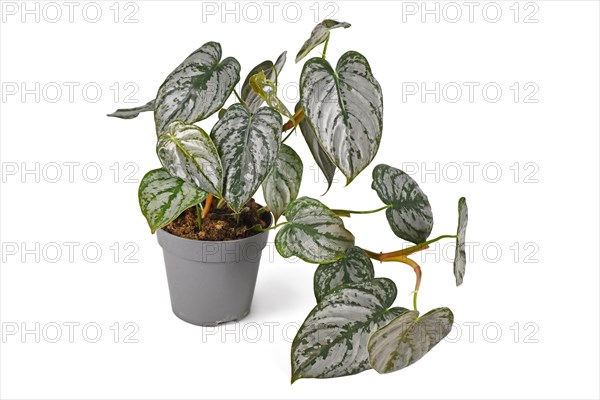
x=211 y=283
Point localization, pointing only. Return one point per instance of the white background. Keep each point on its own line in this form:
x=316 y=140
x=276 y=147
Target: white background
x=548 y=279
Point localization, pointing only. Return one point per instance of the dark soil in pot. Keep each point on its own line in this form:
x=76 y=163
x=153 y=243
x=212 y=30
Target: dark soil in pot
x=220 y=224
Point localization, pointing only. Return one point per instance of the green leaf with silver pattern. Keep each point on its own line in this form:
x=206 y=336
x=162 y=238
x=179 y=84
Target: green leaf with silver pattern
x=355 y=267
x=313 y=233
x=248 y=145
x=197 y=88
x=164 y=197
x=282 y=185
x=187 y=152
x=333 y=339
x=129 y=113
x=319 y=34
x=345 y=109
x=410 y=215
x=408 y=338
x=460 y=258
x=321 y=157
x=252 y=100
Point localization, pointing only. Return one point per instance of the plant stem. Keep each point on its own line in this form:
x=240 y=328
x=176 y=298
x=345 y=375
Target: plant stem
x=298 y=117
x=406 y=252
x=207 y=204
x=221 y=203
x=346 y=213
x=199 y=216
x=325 y=47
x=418 y=273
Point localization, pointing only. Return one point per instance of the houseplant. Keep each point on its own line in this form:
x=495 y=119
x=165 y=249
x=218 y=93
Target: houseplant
x=353 y=326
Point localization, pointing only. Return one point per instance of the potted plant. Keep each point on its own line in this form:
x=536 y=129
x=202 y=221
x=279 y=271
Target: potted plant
x=201 y=205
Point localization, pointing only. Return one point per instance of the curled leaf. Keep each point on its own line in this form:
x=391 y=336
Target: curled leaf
x=319 y=34
x=460 y=258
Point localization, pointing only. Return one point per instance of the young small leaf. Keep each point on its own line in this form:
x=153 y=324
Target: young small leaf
x=345 y=109
x=282 y=184
x=410 y=215
x=129 y=113
x=187 y=152
x=248 y=145
x=356 y=267
x=460 y=258
x=197 y=88
x=313 y=233
x=407 y=339
x=267 y=90
x=333 y=339
x=252 y=100
x=319 y=34
x=163 y=197
x=321 y=157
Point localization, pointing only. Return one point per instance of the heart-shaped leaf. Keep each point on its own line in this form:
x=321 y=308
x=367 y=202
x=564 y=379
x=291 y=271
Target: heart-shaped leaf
x=333 y=339
x=319 y=34
x=407 y=338
x=282 y=184
x=345 y=109
x=129 y=113
x=460 y=258
x=321 y=157
x=164 y=197
x=267 y=90
x=187 y=152
x=313 y=233
x=410 y=214
x=252 y=100
x=197 y=88
x=356 y=267
x=248 y=145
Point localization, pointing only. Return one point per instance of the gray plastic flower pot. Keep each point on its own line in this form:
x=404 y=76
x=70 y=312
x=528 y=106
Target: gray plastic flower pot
x=211 y=283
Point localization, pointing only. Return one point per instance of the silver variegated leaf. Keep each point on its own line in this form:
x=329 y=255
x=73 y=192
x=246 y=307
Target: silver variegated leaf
x=129 y=113
x=248 y=145
x=282 y=184
x=321 y=157
x=319 y=34
x=356 y=267
x=345 y=109
x=333 y=339
x=187 y=152
x=197 y=88
x=313 y=233
x=252 y=100
x=460 y=258
x=410 y=215
x=163 y=197
x=408 y=338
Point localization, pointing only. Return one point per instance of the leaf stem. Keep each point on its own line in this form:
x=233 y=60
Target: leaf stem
x=239 y=98
x=289 y=134
x=207 y=204
x=406 y=252
x=346 y=213
x=325 y=47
